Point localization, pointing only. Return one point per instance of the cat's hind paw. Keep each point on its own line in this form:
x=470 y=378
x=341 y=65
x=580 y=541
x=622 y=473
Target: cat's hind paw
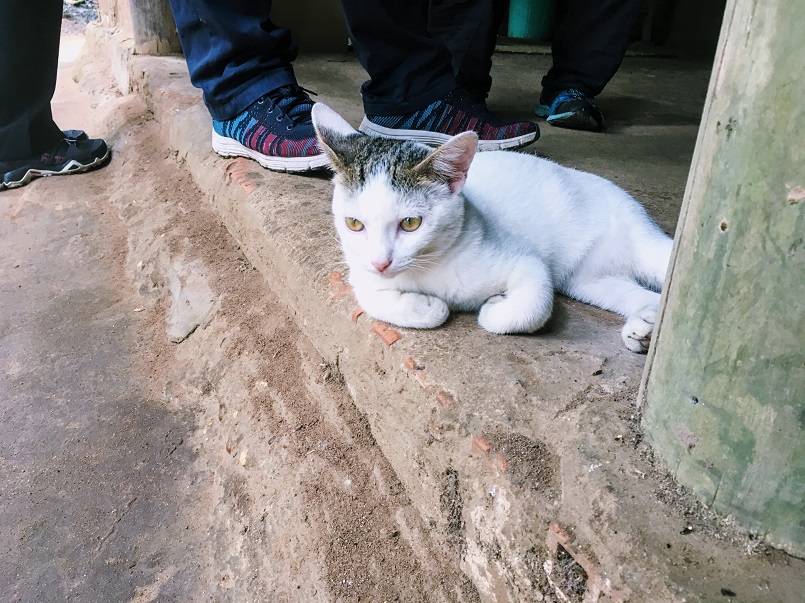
x=637 y=331
x=505 y=314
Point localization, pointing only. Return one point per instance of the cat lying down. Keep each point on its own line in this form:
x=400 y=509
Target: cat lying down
x=427 y=231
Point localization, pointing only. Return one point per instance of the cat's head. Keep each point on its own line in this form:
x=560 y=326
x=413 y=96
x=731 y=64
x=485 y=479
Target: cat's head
x=396 y=203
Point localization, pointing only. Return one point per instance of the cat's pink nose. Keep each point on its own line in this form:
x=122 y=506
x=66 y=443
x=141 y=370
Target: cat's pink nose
x=382 y=265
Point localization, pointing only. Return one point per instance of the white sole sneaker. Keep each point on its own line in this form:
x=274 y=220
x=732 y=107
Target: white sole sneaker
x=436 y=138
x=71 y=167
x=229 y=147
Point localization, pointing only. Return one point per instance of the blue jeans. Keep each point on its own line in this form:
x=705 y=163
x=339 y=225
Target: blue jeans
x=234 y=52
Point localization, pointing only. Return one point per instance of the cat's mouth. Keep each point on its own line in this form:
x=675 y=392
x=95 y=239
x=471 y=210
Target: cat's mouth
x=387 y=272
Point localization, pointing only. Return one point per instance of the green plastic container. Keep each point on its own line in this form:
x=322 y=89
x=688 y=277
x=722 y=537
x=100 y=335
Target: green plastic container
x=531 y=19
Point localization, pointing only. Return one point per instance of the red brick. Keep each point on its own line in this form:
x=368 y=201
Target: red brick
x=240 y=171
x=445 y=399
x=387 y=335
x=345 y=290
x=481 y=444
x=356 y=313
x=336 y=279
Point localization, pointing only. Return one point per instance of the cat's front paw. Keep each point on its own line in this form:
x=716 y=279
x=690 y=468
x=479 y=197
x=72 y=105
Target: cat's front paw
x=424 y=311
x=410 y=310
x=637 y=331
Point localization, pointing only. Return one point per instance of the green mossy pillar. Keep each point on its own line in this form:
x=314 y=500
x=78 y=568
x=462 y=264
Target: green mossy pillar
x=724 y=389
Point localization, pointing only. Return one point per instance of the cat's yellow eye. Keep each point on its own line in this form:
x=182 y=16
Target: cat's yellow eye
x=354 y=224
x=410 y=224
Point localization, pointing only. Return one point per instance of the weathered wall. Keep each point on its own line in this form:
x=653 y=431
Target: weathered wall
x=725 y=394
x=148 y=22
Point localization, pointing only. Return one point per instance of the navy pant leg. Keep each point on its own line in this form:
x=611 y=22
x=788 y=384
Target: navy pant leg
x=588 y=46
x=409 y=68
x=234 y=52
x=469 y=29
x=29 y=58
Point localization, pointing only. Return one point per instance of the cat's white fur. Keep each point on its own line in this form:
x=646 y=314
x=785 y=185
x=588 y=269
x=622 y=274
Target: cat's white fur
x=501 y=232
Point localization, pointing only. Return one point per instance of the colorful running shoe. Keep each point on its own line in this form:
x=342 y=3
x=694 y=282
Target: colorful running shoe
x=572 y=109
x=454 y=113
x=69 y=156
x=275 y=130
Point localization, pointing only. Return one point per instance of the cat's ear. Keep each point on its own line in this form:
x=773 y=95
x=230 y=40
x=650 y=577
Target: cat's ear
x=332 y=131
x=451 y=161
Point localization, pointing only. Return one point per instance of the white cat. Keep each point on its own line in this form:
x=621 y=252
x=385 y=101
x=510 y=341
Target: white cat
x=427 y=231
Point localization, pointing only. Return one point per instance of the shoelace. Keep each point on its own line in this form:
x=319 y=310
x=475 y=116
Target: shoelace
x=293 y=101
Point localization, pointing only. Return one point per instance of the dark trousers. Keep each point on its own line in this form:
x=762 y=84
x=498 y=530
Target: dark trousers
x=234 y=52
x=468 y=28
x=408 y=67
x=29 y=59
x=406 y=47
x=589 y=43
x=414 y=52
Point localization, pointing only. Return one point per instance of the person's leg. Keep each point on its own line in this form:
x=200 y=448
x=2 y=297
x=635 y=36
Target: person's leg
x=469 y=30
x=588 y=47
x=29 y=57
x=31 y=144
x=234 y=52
x=408 y=69
x=242 y=63
x=412 y=92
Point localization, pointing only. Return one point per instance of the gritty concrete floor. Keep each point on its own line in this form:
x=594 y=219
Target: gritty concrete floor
x=93 y=470
x=324 y=456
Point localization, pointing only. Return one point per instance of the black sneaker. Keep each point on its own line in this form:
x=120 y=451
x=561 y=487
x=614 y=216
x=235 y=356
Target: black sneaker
x=454 y=113
x=75 y=135
x=276 y=131
x=572 y=109
x=69 y=156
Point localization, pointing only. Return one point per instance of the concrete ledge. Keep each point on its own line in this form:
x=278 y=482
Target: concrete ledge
x=523 y=453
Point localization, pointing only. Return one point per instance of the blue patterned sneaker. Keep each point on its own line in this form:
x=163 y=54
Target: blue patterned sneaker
x=69 y=156
x=572 y=109
x=275 y=130
x=454 y=113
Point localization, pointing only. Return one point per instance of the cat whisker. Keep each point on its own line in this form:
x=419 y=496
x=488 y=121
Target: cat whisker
x=426 y=261
x=418 y=266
